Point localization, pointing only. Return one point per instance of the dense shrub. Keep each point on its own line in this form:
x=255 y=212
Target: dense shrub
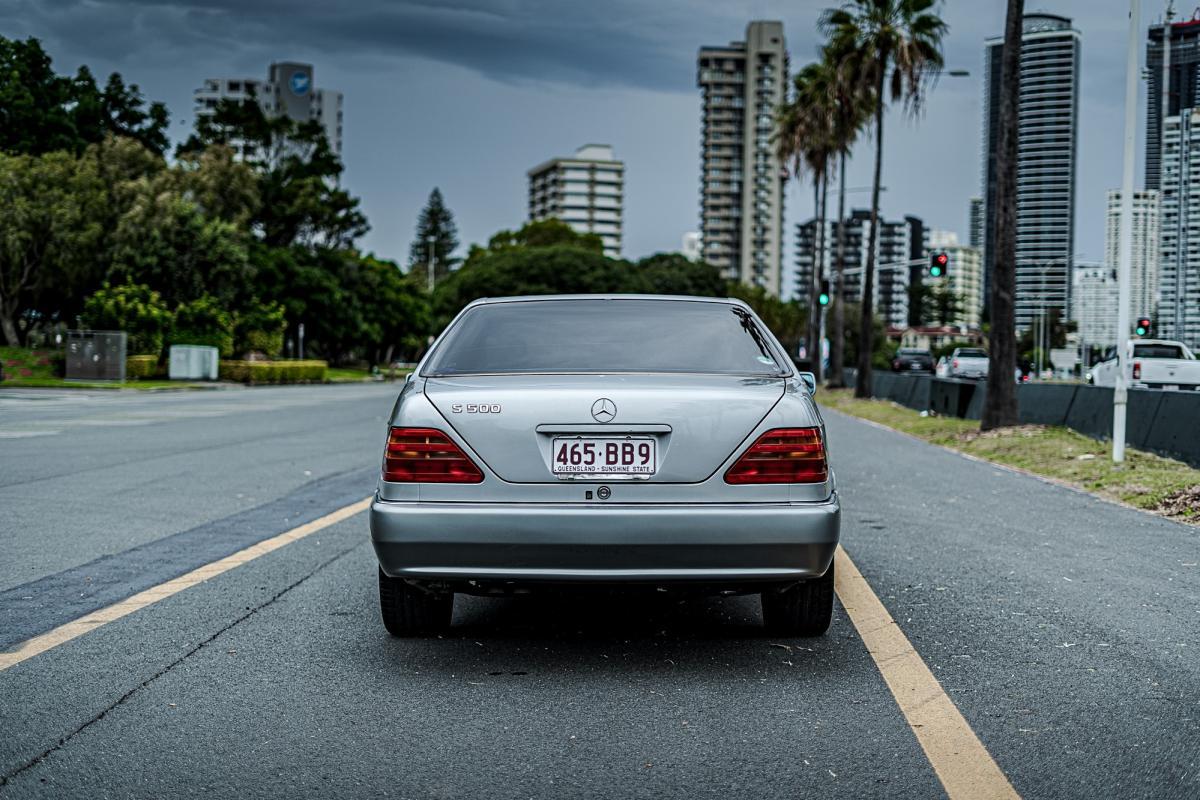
x=273 y=371
x=141 y=366
x=260 y=329
x=133 y=308
x=204 y=322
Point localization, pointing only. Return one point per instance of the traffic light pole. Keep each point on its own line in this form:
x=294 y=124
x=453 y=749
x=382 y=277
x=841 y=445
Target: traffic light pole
x=1121 y=393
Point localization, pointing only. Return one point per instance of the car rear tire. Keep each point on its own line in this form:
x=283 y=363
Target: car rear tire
x=802 y=609
x=410 y=611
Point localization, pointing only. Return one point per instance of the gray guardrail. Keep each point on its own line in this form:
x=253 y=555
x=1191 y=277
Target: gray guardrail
x=1163 y=422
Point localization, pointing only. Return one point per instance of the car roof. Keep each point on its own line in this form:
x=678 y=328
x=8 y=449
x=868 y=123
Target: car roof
x=613 y=296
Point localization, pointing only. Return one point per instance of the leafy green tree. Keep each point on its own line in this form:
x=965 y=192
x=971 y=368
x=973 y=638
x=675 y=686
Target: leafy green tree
x=48 y=232
x=300 y=199
x=545 y=233
x=203 y=321
x=221 y=186
x=116 y=110
x=436 y=222
x=42 y=112
x=672 y=273
x=134 y=308
x=165 y=240
x=556 y=269
x=395 y=310
x=890 y=47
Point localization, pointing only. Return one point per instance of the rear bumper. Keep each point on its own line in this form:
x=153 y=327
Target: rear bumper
x=717 y=544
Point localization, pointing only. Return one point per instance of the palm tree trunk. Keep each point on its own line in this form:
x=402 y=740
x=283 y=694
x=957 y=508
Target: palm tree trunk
x=1000 y=406
x=862 y=386
x=837 y=344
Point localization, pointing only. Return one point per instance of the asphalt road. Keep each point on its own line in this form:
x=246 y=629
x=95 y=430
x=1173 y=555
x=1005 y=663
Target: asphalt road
x=1063 y=628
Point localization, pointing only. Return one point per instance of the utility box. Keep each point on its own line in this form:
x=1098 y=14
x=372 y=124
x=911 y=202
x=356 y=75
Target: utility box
x=193 y=362
x=96 y=355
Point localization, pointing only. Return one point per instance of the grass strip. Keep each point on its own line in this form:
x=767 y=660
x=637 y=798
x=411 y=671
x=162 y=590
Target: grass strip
x=1153 y=483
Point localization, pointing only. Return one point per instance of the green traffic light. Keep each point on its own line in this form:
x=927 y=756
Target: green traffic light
x=936 y=272
x=823 y=299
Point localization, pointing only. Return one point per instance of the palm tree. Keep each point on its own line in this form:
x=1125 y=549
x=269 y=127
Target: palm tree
x=852 y=110
x=804 y=137
x=1000 y=405
x=891 y=46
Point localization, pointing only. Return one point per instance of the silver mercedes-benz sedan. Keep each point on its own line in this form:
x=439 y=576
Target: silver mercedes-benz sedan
x=662 y=442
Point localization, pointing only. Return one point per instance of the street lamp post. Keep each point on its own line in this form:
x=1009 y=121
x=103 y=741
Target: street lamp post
x=1121 y=392
x=429 y=242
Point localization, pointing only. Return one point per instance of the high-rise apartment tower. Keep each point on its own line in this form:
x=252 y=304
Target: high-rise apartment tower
x=741 y=177
x=1048 y=111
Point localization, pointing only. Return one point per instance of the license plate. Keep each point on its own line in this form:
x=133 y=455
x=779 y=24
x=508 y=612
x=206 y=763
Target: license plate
x=593 y=455
x=1171 y=387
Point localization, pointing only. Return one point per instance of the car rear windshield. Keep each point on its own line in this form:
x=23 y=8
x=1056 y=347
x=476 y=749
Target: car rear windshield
x=613 y=335
x=904 y=351
x=970 y=353
x=1157 y=351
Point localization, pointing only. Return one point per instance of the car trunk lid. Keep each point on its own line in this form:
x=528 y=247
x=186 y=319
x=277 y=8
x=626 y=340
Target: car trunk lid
x=696 y=421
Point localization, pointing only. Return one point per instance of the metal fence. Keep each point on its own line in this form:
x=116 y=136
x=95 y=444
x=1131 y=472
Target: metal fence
x=1163 y=422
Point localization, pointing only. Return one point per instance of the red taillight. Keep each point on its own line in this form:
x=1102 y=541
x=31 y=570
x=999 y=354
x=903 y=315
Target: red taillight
x=426 y=455
x=1137 y=370
x=782 y=455
x=955 y=362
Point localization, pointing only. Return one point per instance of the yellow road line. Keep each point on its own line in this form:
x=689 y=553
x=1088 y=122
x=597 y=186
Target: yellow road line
x=66 y=632
x=961 y=762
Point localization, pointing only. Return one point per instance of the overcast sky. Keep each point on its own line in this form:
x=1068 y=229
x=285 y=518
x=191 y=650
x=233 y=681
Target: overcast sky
x=468 y=94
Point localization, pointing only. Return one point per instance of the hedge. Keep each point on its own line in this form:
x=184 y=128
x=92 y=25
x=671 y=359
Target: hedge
x=273 y=371
x=141 y=366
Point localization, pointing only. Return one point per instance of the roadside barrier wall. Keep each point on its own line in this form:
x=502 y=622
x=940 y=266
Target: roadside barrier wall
x=1163 y=422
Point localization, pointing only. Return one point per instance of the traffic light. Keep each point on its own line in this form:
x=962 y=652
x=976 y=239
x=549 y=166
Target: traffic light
x=939 y=264
x=824 y=297
x=1143 y=326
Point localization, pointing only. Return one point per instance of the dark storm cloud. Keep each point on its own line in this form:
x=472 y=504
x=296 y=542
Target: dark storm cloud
x=623 y=43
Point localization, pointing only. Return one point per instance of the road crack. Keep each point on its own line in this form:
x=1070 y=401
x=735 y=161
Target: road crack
x=64 y=741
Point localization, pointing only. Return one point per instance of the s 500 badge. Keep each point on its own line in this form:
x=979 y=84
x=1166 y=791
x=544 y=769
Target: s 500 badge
x=475 y=408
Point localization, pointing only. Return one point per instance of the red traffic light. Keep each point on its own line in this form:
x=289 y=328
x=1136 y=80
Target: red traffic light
x=938 y=263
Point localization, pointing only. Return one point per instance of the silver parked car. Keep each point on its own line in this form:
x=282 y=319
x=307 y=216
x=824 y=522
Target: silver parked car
x=630 y=440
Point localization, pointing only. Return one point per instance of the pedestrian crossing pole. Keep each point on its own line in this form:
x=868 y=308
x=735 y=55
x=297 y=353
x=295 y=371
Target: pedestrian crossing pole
x=1121 y=392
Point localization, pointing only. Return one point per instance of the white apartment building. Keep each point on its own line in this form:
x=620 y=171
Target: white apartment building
x=1143 y=273
x=586 y=191
x=741 y=176
x=1178 y=314
x=690 y=246
x=287 y=91
x=1095 y=298
x=964 y=276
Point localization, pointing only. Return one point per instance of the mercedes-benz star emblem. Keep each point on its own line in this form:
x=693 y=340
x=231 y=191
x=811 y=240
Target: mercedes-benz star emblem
x=603 y=410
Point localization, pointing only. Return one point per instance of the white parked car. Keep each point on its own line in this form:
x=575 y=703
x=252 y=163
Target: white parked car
x=969 y=362
x=1153 y=364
